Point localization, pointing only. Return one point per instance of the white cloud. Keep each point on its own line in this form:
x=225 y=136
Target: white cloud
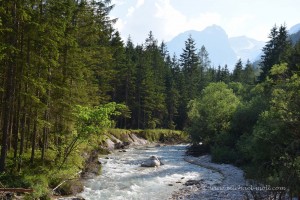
x=140 y=3
x=120 y=25
x=260 y=32
x=118 y=2
x=238 y=25
x=168 y=18
x=204 y=20
x=130 y=11
x=174 y=22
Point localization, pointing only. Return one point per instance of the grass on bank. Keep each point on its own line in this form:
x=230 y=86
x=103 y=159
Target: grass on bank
x=152 y=135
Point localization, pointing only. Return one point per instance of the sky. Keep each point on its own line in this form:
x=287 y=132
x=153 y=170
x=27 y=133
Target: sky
x=168 y=18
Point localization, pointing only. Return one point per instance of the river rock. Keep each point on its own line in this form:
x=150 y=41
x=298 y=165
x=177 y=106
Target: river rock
x=110 y=145
x=152 y=162
x=137 y=141
x=71 y=198
x=192 y=182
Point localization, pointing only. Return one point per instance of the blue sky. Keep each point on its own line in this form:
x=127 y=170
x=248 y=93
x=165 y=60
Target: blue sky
x=168 y=18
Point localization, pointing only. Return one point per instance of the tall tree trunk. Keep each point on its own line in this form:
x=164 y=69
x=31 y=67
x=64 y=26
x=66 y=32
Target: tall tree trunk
x=22 y=140
x=45 y=130
x=9 y=139
x=6 y=115
x=8 y=95
x=28 y=124
x=34 y=135
x=16 y=130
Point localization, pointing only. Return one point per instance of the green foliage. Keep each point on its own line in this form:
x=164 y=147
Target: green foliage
x=164 y=135
x=211 y=114
x=270 y=145
x=93 y=120
x=67 y=79
x=275 y=137
x=276 y=51
x=223 y=154
x=191 y=69
x=40 y=186
x=238 y=71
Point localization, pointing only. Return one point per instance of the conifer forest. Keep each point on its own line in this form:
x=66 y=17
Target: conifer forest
x=67 y=77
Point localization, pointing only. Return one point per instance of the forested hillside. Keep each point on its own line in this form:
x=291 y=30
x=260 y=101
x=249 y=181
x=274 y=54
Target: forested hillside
x=255 y=125
x=66 y=74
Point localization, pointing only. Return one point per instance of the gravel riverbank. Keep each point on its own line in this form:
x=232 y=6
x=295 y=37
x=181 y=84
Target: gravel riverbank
x=226 y=187
x=230 y=186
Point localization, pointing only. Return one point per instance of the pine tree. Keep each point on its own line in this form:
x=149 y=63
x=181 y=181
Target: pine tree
x=130 y=82
x=178 y=76
x=237 y=75
x=190 y=64
x=172 y=94
x=275 y=51
x=225 y=74
x=249 y=74
x=294 y=59
x=204 y=58
x=154 y=101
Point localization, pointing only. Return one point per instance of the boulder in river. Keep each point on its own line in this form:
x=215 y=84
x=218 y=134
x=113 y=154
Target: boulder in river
x=153 y=161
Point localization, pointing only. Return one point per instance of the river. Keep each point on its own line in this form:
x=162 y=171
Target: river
x=123 y=179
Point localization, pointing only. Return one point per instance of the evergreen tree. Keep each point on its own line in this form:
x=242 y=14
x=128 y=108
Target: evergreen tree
x=238 y=71
x=275 y=51
x=225 y=74
x=172 y=94
x=52 y=54
x=294 y=60
x=204 y=58
x=249 y=74
x=218 y=76
x=178 y=76
x=155 y=96
x=190 y=64
x=130 y=82
x=118 y=68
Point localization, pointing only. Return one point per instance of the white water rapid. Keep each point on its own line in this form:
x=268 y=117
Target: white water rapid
x=123 y=179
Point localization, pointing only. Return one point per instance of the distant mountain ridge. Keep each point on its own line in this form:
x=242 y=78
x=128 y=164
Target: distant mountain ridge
x=246 y=48
x=222 y=49
x=295 y=33
x=294 y=29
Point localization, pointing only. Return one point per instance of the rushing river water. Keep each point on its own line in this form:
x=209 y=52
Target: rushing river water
x=122 y=177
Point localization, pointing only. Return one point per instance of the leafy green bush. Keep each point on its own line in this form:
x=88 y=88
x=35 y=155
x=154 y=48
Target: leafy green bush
x=212 y=113
x=223 y=154
x=39 y=184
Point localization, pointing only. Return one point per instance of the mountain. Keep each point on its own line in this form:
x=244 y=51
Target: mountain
x=295 y=33
x=222 y=50
x=294 y=29
x=295 y=37
x=215 y=40
x=246 y=48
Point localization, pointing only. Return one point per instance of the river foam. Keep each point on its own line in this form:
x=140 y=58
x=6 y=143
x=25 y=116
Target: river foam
x=123 y=178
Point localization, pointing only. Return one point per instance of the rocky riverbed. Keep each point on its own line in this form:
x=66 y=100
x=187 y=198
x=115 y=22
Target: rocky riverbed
x=181 y=177
x=228 y=187
x=232 y=185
